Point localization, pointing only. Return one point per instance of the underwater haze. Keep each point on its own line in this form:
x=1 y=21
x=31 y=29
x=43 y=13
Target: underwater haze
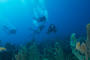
x=69 y=17
x=23 y=20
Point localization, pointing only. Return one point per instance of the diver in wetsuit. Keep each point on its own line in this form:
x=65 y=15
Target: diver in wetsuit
x=52 y=28
x=37 y=31
x=40 y=19
x=9 y=31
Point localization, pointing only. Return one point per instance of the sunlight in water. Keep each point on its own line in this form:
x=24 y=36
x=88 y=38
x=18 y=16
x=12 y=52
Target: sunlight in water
x=22 y=1
x=2 y=1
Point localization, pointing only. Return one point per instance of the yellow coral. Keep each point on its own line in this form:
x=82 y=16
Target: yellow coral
x=2 y=48
x=78 y=46
x=83 y=48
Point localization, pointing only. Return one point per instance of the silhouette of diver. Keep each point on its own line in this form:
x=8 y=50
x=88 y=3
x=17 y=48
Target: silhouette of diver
x=37 y=31
x=52 y=28
x=40 y=19
x=6 y=29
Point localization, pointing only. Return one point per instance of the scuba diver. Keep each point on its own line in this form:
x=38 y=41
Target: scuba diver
x=9 y=31
x=52 y=28
x=40 y=19
x=37 y=31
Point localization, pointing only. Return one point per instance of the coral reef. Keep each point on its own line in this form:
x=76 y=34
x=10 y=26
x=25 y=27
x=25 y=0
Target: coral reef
x=33 y=53
x=10 y=47
x=6 y=55
x=22 y=55
x=28 y=54
x=49 y=53
x=81 y=51
x=54 y=53
x=59 y=54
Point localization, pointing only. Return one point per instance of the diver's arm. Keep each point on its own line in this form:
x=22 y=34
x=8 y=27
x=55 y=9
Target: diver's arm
x=5 y=27
x=36 y=19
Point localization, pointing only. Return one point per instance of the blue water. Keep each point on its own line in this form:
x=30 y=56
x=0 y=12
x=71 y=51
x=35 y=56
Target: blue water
x=69 y=16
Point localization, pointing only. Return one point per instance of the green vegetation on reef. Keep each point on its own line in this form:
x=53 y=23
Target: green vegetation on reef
x=32 y=53
x=28 y=54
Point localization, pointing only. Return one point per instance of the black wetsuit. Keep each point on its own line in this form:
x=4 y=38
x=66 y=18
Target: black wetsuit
x=40 y=19
x=52 y=28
